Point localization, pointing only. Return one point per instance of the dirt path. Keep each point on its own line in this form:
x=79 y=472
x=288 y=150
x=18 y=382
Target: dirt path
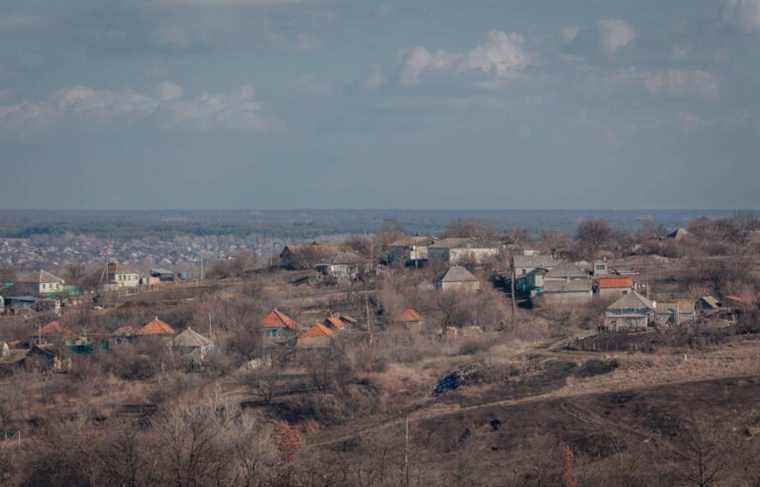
x=590 y=418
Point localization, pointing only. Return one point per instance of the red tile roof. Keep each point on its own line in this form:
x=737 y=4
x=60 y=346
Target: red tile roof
x=278 y=319
x=156 y=327
x=318 y=330
x=409 y=315
x=55 y=328
x=615 y=283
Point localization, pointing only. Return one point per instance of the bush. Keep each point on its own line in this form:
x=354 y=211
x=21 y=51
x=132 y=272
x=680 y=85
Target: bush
x=596 y=367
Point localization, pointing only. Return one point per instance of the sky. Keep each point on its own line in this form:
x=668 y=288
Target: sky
x=428 y=104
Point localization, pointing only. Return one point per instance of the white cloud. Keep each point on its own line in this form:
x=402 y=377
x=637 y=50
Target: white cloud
x=417 y=60
x=103 y=105
x=500 y=55
x=682 y=82
x=615 y=35
x=744 y=14
x=569 y=33
x=238 y=110
x=169 y=90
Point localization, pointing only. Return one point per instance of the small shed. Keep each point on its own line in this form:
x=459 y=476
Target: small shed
x=156 y=327
x=190 y=341
x=457 y=278
x=409 y=320
x=277 y=325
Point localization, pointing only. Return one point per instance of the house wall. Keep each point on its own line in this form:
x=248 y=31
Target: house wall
x=125 y=279
x=459 y=256
x=613 y=293
x=615 y=322
x=466 y=286
x=50 y=287
x=438 y=254
x=579 y=297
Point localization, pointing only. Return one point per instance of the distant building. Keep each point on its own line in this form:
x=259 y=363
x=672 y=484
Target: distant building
x=566 y=292
x=457 y=278
x=278 y=327
x=192 y=342
x=409 y=251
x=409 y=320
x=601 y=268
x=40 y=283
x=343 y=266
x=302 y=257
x=457 y=251
x=163 y=275
x=612 y=286
x=675 y=313
x=524 y=264
x=632 y=312
x=679 y=234
x=707 y=305
x=156 y=328
x=318 y=336
x=120 y=276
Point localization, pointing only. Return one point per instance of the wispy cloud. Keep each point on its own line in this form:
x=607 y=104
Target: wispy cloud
x=500 y=55
x=744 y=14
x=167 y=109
x=614 y=35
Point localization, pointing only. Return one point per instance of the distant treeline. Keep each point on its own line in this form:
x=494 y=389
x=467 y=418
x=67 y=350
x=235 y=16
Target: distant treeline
x=305 y=224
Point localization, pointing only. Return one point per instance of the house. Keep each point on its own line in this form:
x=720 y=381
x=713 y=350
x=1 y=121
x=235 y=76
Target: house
x=318 y=336
x=457 y=278
x=162 y=275
x=192 y=342
x=124 y=334
x=632 y=312
x=277 y=326
x=456 y=251
x=302 y=257
x=34 y=358
x=409 y=251
x=40 y=283
x=120 y=276
x=675 y=313
x=566 y=271
x=707 y=305
x=566 y=292
x=156 y=328
x=15 y=305
x=601 y=268
x=524 y=264
x=409 y=320
x=343 y=266
x=612 y=286
x=679 y=234
x=52 y=331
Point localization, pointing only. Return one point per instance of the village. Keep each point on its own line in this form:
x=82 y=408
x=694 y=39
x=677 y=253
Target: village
x=326 y=334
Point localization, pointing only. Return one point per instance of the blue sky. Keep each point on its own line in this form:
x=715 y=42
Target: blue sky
x=395 y=104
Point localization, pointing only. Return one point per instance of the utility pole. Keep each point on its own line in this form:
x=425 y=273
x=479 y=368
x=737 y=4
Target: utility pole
x=406 y=451
x=366 y=291
x=512 y=285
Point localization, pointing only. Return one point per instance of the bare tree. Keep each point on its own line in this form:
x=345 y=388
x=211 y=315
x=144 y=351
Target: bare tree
x=593 y=235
